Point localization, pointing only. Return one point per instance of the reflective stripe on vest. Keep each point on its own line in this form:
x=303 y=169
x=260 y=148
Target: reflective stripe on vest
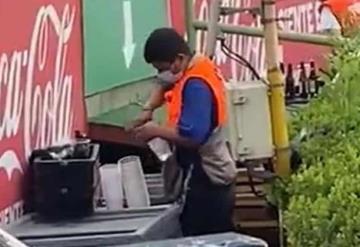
x=202 y=68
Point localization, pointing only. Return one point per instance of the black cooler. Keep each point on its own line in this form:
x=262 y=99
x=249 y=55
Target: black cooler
x=65 y=187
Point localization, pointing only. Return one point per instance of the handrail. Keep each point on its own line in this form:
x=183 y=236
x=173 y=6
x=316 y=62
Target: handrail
x=315 y=39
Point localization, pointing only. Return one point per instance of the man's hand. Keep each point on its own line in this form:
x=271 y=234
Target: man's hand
x=148 y=131
x=155 y=101
x=151 y=130
x=144 y=117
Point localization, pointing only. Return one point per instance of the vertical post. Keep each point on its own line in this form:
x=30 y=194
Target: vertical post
x=189 y=18
x=213 y=27
x=277 y=97
x=276 y=80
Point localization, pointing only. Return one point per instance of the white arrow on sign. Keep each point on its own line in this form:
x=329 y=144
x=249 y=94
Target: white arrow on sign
x=129 y=45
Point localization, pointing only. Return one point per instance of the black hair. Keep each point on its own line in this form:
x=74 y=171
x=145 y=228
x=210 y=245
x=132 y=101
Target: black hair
x=163 y=45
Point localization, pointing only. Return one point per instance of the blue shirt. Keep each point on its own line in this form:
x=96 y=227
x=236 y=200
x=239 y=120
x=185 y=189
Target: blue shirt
x=197 y=120
x=197 y=114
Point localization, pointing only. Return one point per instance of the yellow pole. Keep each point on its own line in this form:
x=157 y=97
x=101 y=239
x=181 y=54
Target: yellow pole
x=277 y=99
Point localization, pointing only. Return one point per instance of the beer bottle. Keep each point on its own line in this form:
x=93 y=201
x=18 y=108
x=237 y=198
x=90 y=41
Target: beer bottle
x=282 y=68
x=290 y=82
x=319 y=84
x=303 y=81
x=313 y=80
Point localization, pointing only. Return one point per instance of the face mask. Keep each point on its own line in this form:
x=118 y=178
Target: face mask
x=167 y=77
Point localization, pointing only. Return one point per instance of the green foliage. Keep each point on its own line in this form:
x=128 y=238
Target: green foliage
x=321 y=202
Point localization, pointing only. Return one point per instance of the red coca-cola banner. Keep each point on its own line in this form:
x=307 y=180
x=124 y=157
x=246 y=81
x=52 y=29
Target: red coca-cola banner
x=41 y=87
x=304 y=19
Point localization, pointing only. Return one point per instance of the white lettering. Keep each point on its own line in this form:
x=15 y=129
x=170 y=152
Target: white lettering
x=310 y=15
x=10 y=77
x=304 y=18
x=43 y=107
x=11 y=214
x=317 y=15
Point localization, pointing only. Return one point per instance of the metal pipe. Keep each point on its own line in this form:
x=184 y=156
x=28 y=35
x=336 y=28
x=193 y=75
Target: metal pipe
x=277 y=99
x=213 y=28
x=315 y=39
x=189 y=18
x=231 y=10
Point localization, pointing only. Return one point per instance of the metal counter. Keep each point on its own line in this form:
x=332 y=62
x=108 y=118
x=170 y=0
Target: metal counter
x=216 y=240
x=104 y=228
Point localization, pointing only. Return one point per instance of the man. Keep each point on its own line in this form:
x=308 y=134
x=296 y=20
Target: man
x=339 y=16
x=329 y=24
x=194 y=94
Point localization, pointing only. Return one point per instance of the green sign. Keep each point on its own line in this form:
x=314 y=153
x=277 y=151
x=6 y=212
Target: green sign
x=114 y=35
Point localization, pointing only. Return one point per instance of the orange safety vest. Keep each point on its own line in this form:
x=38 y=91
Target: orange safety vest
x=347 y=14
x=203 y=68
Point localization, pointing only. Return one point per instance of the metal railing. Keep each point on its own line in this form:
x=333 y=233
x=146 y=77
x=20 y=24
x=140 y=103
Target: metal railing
x=192 y=25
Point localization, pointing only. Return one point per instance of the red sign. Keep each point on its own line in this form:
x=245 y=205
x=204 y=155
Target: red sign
x=41 y=87
x=304 y=19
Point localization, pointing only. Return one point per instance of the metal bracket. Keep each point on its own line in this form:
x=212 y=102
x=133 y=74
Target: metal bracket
x=231 y=11
x=264 y=20
x=271 y=20
x=240 y=100
x=277 y=85
x=245 y=151
x=136 y=101
x=283 y=149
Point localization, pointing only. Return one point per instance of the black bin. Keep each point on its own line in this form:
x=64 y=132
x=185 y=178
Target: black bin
x=65 y=188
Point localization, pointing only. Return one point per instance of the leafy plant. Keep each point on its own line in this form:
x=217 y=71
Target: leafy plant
x=321 y=201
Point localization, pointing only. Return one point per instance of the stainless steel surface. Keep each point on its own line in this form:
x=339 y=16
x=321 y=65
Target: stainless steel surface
x=216 y=240
x=102 y=229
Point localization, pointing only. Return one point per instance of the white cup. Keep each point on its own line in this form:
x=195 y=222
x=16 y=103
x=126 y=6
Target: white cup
x=135 y=189
x=111 y=182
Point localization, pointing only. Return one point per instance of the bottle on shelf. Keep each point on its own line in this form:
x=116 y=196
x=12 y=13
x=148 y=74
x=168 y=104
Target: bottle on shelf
x=290 y=82
x=296 y=70
x=282 y=68
x=319 y=84
x=312 y=82
x=303 y=81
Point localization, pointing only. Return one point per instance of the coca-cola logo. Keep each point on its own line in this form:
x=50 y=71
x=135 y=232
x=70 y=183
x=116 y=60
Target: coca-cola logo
x=35 y=91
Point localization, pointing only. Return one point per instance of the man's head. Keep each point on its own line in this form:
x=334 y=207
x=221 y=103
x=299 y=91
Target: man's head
x=168 y=52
